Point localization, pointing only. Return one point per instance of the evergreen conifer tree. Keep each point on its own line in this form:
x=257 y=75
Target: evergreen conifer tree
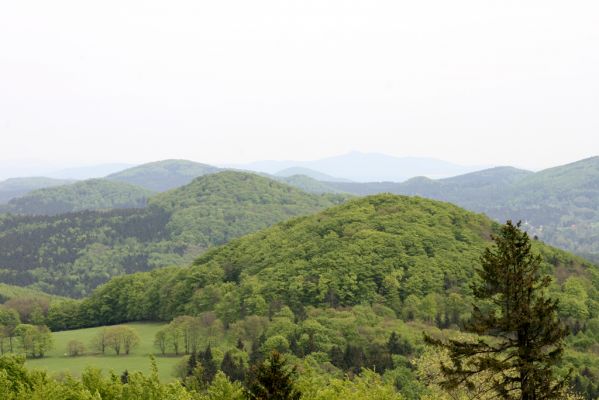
x=525 y=334
x=272 y=380
x=232 y=368
x=208 y=364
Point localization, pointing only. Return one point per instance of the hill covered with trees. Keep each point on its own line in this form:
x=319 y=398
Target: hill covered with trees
x=17 y=187
x=93 y=194
x=164 y=175
x=559 y=205
x=395 y=250
x=70 y=254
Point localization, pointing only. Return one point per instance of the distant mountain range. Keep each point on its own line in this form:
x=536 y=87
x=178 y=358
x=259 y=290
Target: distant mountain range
x=319 y=176
x=366 y=167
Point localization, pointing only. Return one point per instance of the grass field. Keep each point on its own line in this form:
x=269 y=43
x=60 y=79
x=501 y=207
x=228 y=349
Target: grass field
x=138 y=360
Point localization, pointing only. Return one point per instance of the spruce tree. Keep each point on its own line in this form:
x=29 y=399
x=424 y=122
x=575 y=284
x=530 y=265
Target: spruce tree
x=232 y=368
x=208 y=364
x=192 y=362
x=272 y=380
x=521 y=336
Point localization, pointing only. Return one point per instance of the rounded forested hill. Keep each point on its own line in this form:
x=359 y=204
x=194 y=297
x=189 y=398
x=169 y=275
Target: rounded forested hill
x=92 y=194
x=164 y=175
x=411 y=254
x=70 y=254
x=216 y=208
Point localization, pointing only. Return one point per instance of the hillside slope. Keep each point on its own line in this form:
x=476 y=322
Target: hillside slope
x=387 y=249
x=93 y=194
x=164 y=175
x=559 y=205
x=17 y=187
x=70 y=254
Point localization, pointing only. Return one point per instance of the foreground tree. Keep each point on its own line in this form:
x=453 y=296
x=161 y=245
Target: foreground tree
x=273 y=380
x=525 y=335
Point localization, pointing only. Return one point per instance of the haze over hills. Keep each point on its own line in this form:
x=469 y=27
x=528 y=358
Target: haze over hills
x=294 y=171
x=17 y=187
x=70 y=254
x=163 y=175
x=88 y=171
x=367 y=167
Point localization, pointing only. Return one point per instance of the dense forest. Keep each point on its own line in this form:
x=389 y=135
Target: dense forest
x=70 y=254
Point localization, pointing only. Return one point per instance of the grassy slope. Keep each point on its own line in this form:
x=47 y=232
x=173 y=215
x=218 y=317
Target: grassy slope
x=139 y=360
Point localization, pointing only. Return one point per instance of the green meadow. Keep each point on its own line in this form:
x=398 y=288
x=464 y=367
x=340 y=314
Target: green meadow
x=57 y=361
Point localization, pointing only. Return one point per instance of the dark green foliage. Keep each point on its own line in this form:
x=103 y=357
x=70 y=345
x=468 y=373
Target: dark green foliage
x=192 y=363
x=73 y=253
x=163 y=175
x=514 y=310
x=125 y=377
x=208 y=364
x=272 y=380
x=233 y=368
x=93 y=194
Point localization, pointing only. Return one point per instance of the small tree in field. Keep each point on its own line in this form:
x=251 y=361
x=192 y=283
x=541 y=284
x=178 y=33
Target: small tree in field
x=75 y=348
x=525 y=335
x=99 y=342
x=121 y=338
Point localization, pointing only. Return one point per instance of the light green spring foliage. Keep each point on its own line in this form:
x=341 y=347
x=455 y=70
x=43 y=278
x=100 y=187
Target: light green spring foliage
x=16 y=383
x=367 y=386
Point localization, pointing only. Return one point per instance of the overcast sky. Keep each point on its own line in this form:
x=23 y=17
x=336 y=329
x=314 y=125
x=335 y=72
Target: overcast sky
x=473 y=82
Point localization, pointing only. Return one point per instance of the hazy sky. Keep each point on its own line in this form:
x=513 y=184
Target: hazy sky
x=474 y=82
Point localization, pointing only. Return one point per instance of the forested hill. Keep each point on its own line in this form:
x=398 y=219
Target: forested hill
x=413 y=255
x=164 y=175
x=559 y=205
x=93 y=194
x=215 y=208
x=17 y=187
x=70 y=254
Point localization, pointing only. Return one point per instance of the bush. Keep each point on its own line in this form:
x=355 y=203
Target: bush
x=75 y=348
